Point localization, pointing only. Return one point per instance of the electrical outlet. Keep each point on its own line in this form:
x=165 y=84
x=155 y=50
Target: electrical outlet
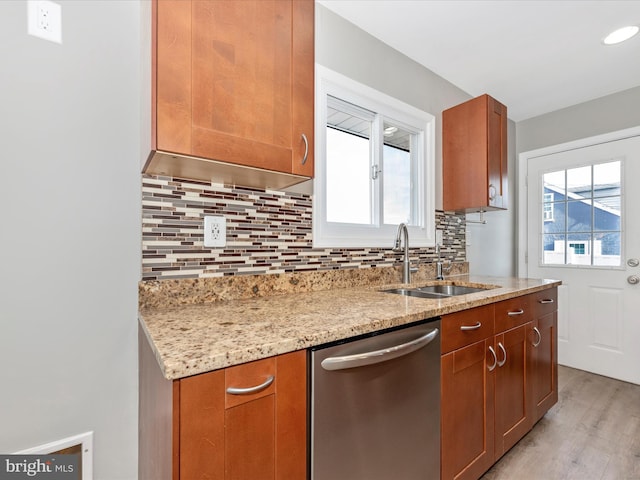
x=44 y=20
x=215 y=231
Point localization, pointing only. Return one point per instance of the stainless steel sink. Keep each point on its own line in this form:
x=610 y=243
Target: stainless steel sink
x=437 y=291
x=450 y=290
x=414 y=292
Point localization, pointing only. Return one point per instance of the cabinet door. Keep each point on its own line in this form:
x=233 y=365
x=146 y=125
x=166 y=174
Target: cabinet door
x=511 y=388
x=467 y=411
x=234 y=81
x=200 y=406
x=543 y=370
x=497 y=153
x=257 y=435
x=474 y=155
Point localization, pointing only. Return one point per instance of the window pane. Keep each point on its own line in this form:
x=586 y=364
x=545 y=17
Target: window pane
x=348 y=177
x=553 y=217
x=553 y=182
x=579 y=183
x=606 y=212
x=606 y=249
x=579 y=249
x=606 y=179
x=579 y=216
x=553 y=249
x=396 y=172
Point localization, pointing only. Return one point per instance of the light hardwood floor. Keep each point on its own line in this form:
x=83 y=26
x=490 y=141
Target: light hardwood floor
x=592 y=433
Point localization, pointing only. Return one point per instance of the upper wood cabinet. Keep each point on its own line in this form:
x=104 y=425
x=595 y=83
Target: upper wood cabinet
x=474 y=156
x=233 y=87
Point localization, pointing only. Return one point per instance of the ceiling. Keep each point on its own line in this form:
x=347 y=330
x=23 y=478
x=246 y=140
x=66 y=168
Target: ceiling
x=535 y=56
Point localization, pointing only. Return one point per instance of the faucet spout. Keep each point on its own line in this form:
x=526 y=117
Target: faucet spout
x=403 y=234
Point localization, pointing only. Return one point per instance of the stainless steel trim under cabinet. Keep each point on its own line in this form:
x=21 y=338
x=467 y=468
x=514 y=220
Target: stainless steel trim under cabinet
x=375 y=406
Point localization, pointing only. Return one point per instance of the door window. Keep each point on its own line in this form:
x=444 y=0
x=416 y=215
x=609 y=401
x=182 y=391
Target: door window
x=580 y=214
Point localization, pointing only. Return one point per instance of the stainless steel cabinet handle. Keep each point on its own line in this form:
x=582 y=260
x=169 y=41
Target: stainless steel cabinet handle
x=504 y=352
x=306 y=149
x=535 y=329
x=250 y=390
x=546 y=300
x=378 y=356
x=495 y=359
x=471 y=327
x=492 y=192
x=513 y=314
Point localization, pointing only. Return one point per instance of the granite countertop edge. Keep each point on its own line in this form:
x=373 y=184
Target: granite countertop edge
x=193 y=339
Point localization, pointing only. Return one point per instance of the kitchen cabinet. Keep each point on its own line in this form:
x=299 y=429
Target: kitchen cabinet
x=259 y=432
x=233 y=91
x=512 y=322
x=467 y=393
x=474 y=156
x=259 y=435
x=544 y=354
x=499 y=377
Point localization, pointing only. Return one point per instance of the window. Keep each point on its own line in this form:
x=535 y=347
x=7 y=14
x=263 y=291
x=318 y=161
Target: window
x=547 y=207
x=585 y=205
x=374 y=167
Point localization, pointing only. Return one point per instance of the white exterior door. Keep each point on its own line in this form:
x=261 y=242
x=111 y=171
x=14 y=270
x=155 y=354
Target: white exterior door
x=583 y=227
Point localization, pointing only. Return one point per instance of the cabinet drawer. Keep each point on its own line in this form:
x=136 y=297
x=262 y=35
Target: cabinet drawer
x=544 y=302
x=249 y=381
x=466 y=327
x=513 y=313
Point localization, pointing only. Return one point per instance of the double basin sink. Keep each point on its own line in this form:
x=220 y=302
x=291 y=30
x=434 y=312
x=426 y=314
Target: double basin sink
x=438 y=291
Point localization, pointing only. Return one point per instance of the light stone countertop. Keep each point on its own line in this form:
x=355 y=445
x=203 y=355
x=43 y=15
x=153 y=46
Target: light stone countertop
x=192 y=339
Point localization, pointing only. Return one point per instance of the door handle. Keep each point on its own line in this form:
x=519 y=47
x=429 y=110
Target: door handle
x=537 y=342
x=470 y=327
x=504 y=352
x=250 y=390
x=378 y=356
x=633 y=279
x=306 y=148
x=495 y=359
x=633 y=262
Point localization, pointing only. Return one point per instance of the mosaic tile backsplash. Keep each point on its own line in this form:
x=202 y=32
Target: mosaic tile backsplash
x=268 y=232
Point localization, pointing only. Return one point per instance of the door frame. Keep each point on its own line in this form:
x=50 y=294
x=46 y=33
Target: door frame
x=523 y=191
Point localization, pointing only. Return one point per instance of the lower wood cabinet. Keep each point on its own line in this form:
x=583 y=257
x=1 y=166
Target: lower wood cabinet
x=498 y=383
x=243 y=422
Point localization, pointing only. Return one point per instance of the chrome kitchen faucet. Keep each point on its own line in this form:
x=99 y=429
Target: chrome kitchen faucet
x=406 y=265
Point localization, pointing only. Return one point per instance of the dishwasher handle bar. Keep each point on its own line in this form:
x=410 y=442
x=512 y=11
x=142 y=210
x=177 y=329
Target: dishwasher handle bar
x=378 y=356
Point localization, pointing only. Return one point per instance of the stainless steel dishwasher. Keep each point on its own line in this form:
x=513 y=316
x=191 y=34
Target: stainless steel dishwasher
x=375 y=406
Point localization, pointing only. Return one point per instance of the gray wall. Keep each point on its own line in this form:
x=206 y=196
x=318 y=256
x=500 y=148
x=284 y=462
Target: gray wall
x=345 y=48
x=606 y=114
x=70 y=243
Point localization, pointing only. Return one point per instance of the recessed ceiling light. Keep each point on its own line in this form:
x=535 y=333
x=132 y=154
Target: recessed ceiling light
x=621 y=34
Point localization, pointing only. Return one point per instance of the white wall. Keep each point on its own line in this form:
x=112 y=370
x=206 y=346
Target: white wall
x=70 y=241
x=613 y=112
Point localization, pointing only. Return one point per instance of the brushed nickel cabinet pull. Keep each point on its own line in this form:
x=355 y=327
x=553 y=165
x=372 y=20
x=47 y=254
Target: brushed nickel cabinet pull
x=471 y=327
x=518 y=312
x=306 y=149
x=547 y=300
x=495 y=359
x=250 y=390
x=535 y=329
x=504 y=352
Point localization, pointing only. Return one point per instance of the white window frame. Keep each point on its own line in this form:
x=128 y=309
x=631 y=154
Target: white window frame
x=338 y=235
